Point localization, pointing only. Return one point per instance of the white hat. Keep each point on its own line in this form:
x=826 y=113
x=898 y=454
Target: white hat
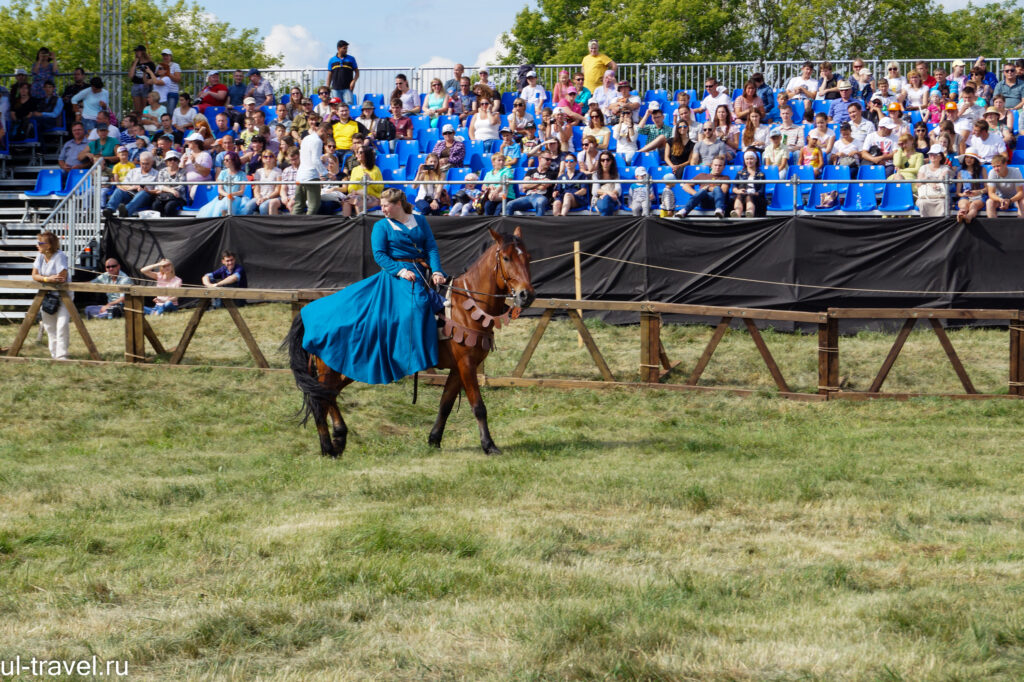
x=171 y=155
x=166 y=50
x=192 y=137
x=749 y=154
x=531 y=74
x=654 y=106
x=886 y=123
x=958 y=62
x=936 y=149
x=212 y=73
x=20 y=72
x=448 y=128
x=640 y=171
x=669 y=176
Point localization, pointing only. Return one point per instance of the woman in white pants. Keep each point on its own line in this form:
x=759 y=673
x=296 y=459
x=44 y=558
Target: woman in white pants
x=52 y=266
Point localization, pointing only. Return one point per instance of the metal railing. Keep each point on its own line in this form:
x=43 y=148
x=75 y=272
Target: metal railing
x=76 y=219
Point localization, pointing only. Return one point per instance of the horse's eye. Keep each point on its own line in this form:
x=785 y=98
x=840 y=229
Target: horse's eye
x=506 y=259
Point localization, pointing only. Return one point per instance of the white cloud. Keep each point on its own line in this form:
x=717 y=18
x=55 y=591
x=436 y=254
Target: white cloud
x=298 y=46
x=491 y=55
x=437 y=63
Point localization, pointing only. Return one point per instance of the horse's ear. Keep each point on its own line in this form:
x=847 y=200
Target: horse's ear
x=495 y=235
x=518 y=232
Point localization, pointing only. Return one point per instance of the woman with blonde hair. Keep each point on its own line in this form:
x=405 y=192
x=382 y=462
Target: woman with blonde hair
x=436 y=103
x=51 y=266
x=165 y=277
x=431 y=199
x=369 y=169
x=492 y=196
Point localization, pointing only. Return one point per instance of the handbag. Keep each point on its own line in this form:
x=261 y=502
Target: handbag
x=51 y=302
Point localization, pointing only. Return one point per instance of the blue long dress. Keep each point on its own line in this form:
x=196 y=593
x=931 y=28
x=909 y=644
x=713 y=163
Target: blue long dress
x=379 y=329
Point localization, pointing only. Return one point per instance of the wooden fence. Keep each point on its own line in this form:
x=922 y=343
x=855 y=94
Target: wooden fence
x=654 y=364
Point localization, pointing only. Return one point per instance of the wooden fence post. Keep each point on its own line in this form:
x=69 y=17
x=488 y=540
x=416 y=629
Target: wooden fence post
x=134 y=332
x=1016 y=349
x=828 y=356
x=650 y=346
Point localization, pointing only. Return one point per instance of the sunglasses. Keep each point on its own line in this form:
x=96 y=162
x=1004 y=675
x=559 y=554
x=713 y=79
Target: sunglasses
x=893 y=68
x=42 y=243
x=110 y=267
x=519 y=105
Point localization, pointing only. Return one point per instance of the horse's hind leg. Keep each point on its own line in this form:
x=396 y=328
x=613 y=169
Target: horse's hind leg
x=340 y=435
x=451 y=391
x=320 y=419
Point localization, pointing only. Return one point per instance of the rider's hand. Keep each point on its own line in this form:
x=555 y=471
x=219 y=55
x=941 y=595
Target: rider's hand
x=438 y=278
x=407 y=274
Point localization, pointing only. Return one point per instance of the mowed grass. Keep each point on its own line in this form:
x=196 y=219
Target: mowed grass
x=178 y=519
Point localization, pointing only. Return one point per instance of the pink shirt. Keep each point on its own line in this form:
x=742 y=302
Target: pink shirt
x=162 y=281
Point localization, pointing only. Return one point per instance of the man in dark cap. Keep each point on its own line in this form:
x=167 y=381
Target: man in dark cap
x=342 y=74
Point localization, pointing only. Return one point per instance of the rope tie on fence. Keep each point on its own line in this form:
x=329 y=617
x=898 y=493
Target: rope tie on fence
x=828 y=349
x=1016 y=383
x=751 y=280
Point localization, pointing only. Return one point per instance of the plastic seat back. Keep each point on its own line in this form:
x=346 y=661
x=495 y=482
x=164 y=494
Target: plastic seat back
x=897 y=197
x=47 y=182
x=860 y=198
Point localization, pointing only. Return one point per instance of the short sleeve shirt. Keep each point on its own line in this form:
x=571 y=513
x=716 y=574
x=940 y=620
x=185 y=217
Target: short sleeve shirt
x=593 y=70
x=342 y=71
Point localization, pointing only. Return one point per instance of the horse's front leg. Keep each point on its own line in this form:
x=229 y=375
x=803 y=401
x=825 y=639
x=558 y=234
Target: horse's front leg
x=467 y=371
x=451 y=391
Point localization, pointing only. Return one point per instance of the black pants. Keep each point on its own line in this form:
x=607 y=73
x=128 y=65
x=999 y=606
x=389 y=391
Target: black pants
x=168 y=204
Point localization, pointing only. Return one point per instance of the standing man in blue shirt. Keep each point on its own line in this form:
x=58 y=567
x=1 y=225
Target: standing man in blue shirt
x=343 y=72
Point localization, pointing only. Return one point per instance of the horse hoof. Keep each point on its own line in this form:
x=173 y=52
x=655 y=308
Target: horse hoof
x=492 y=449
x=434 y=443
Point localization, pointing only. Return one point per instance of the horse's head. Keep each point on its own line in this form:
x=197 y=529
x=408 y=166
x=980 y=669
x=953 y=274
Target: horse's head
x=512 y=268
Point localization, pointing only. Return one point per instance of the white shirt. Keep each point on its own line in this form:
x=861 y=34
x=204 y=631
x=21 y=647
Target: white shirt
x=535 y=95
x=886 y=144
x=861 y=130
x=897 y=84
x=986 y=149
x=310 y=165
x=798 y=82
x=112 y=132
x=604 y=96
x=843 y=147
x=916 y=97
x=180 y=120
x=710 y=103
x=171 y=85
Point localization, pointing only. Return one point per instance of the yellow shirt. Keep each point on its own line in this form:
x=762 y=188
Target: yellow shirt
x=343 y=133
x=120 y=170
x=358 y=172
x=594 y=68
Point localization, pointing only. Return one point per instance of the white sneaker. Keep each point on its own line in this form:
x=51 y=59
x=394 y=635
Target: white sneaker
x=719 y=213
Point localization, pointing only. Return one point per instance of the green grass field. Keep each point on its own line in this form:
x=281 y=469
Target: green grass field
x=177 y=519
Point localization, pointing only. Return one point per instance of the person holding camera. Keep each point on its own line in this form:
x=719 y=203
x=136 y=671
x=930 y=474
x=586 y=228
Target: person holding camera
x=431 y=199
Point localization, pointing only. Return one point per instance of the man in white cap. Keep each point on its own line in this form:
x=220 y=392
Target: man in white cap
x=594 y=65
x=879 y=146
x=533 y=92
x=173 y=78
x=215 y=94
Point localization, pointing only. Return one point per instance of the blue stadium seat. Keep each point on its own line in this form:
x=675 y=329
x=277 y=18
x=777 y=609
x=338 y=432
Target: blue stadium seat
x=456 y=174
x=376 y=98
x=447 y=119
x=392 y=174
x=474 y=147
x=413 y=165
x=783 y=199
x=770 y=173
x=406 y=148
x=897 y=199
x=388 y=161
x=838 y=174
x=427 y=139
x=48 y=183
x=419 y=122
x=1017 y=156
x=74 y=176
x=270 y=112
x=731 y=171
x=690 y=171
x=860 y=198
x=658 y=95
x=211 y=114
x=804 y=173
x=507 y=98
x=821 y=106
x=816 y=198
x=868 y=172
x=204 y=194
x=647 y=159
x=620 y=162
x=797 y=105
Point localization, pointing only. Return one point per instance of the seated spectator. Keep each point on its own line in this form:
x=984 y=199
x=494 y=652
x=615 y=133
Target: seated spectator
x=983 y=142
x=906 y=160
x=679 y=149
x=561 y=89
x=283 y=116
x=792 y=132
x=973 y=195
x=230 y=191
x=164 y=145
x=1004 y=116
x=518 y=119
x=230 y=274
x=138 y=191
x=114 y=307
x=933 y=197
x=227 y=144
x=569 y=191
x=368 y=118
x=709 y=147
x=23 y=110
x=605 y=94
x=49 y=108
x=914 y=96
x=463 y=101
x=607 y=192
x=215 y=94
x=765 y=94
x=119 y=172
x=450 y=150
x=533 y=92
x=839 y=109
x=776 y=153
x=294 y=104
x=981 y=87
x=266 y=199
x=936 y=105
x=828 y=83
x=597 y=129
x=804 y=86
x=289 y=180
x=998 y=128
x=562 y=130
x=922 y=141
x=165 y=278
x=260 y=89
x=1005 y=195
x=879 y=147
x=896 y=81
x=583 y=93
x=73 y=151
x=436 y=103
x=409 y=98
x=103 y=148
x=846 y=150
x=485 y=124
x=152 y=113
x=625 y=104
x=196 y=162
x=755 y=135
x=657 y=132
x=712 y=193
x=640 y=194
x=823 y=134
x=861 y=81
x=467 y=200
x=716 y=96
x=201 y=127
x=345 y=128
x=725 y=130
x=810 y=155
x=431 y=199
x=860 y=127
x=222 y=130
x=252 y=157
x=170 y=193
x=536 y=190
x=369 y=169
x=183 y=117
x=625 y=138
x=748 y=101
x=167 y=130
x=492 y=188
x=750 y=199
x=531 y=144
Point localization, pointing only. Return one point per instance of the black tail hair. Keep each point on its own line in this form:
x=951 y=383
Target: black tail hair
x=314 y=393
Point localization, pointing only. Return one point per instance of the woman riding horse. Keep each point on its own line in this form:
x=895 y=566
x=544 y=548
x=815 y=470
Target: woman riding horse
x=382 y=328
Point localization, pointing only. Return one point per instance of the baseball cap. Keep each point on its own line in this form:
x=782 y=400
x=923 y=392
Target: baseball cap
x=171 y=155
x=120 y=148
x=886 y=123
x=895 y=106
x=531 y=124
x=668 y=176
x=334 y=100
x=775 y=132
x=505 y=130
x=166 y=50
x=951 y=106
x=958 y=62
x=936 y=149
x=342 y=43
x=249 y=100
x=20 y=72
x=640 y=172
x=531 y=74
x=254 y=72
x=448 y=128
x=654 y=106
x=193 y=137
x=212 y=73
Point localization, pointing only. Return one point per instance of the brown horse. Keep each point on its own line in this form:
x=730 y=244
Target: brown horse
x=478 y=307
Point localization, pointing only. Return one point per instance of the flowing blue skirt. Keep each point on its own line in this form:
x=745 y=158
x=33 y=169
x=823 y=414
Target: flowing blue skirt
x=376 y=331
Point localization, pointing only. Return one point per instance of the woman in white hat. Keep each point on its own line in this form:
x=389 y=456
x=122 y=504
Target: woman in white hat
x=972 y=194
x=932 y=197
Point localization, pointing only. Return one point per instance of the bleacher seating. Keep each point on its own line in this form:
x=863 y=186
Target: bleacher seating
x=48 y=184
x=897 y=199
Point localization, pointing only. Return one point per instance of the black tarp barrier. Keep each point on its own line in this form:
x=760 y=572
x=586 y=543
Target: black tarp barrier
x=750 y=263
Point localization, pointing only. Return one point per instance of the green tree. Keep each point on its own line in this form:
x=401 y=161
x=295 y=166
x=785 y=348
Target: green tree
x=70 y=28
x=994 y=30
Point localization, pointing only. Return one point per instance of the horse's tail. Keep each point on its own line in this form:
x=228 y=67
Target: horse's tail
x=315 y=395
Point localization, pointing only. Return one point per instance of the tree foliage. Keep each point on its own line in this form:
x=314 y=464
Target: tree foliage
x=71 y=29
x=752 y=30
